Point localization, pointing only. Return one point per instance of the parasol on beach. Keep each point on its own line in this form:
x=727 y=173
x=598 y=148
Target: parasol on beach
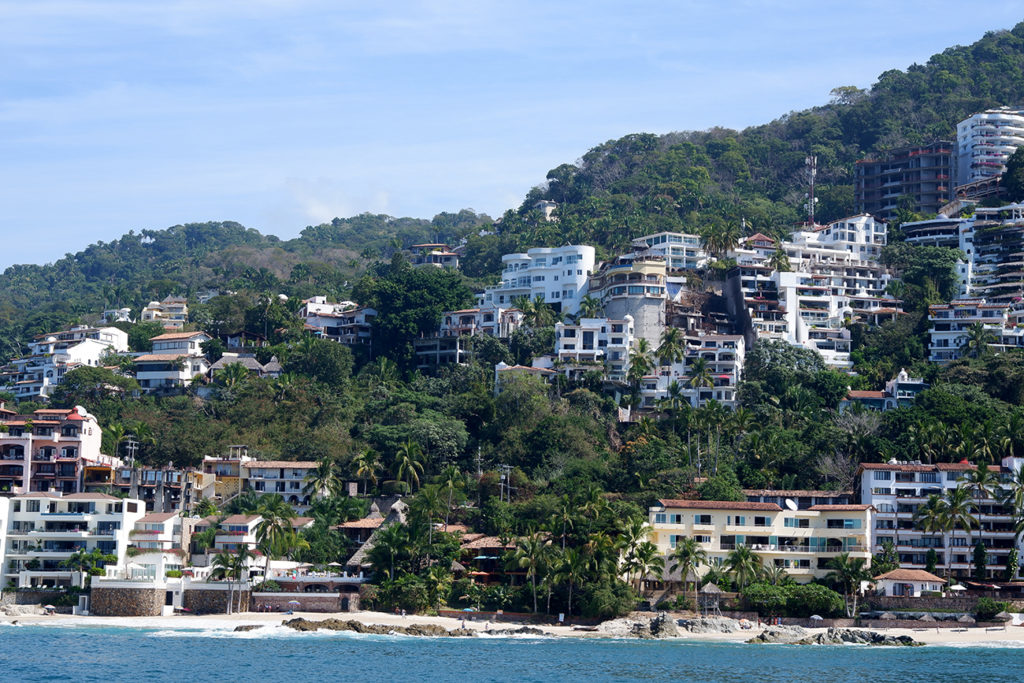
x=1003 y=616
x=926 y=617
x=817 y=617
x=967 y=619
x=888 y=616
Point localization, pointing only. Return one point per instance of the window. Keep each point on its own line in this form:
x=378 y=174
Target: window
x=930 y=477
x=702 y=519
x=794 y=523
x=762 y=521
x=659 y=517
x=702 y=539
x=844 y=524
x=738 y=520
x=882 y=476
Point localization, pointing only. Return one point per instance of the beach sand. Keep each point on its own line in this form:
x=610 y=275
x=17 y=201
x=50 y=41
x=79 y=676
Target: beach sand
x=1011 y=636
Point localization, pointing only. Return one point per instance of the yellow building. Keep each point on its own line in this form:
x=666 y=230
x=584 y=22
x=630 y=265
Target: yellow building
x=800 y=541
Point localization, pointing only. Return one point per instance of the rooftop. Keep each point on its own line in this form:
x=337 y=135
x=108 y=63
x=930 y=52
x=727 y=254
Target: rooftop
x=718 y=505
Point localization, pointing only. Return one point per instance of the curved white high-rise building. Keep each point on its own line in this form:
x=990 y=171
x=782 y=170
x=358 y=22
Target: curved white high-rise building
x=985 y=141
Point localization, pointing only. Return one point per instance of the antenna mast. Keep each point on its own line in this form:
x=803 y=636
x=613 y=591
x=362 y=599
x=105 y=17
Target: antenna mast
x=812 y=171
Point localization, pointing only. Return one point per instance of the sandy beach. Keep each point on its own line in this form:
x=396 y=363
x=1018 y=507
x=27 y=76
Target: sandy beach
x=1011 y=636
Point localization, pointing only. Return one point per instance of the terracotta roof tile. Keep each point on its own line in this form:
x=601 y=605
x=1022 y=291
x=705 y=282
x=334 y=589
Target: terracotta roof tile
x=840 y=508
x=910 y=575
x=718 y=505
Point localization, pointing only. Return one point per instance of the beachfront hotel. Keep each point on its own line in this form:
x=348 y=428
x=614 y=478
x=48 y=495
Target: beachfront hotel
x=44 y=530
x=801 y=541
x=897 y=489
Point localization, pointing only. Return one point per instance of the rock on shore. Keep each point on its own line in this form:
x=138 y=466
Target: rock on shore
x=432 y=630
x=834 y=636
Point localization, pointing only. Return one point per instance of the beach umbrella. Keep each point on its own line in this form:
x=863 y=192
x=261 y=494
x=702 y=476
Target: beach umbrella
x=294 y=602
x=887 y=616
x=926 y=617
x=967 y=619
x=1003 y=616
x=958 y=587
x=49 y=607
x=817 y=617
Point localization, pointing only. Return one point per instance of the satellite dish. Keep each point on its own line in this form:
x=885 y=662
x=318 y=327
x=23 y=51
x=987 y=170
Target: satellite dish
x=791 y=504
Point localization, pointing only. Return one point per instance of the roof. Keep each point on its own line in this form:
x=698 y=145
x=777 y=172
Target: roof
x=177 y=335
x=865 y=394
x=157 y=517
x=240 y=519
x=840 y=508
x=90 y=496
x=718 y=505
x=527 y=368
x=364 y=523
x=154 y=357
x=301 y=522
x=796 y=493
x=293 y=464
x=486 y=542
x=910 y=575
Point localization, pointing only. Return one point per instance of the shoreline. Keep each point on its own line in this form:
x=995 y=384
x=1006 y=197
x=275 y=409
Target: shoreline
x=1012 y=636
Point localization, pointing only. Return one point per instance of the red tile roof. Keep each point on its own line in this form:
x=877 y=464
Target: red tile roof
x=910 y=575
x=718 y=505
x=840 y=508
x=241 y=519
x=365 y=523
x=176 y=335
x=865 y=394
x=157 y=517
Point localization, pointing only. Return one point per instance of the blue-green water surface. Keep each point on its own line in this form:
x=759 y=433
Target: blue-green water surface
x=106 y=653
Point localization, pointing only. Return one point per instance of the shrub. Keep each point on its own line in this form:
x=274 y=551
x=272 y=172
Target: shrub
x=811 y=598
x=988 y=608
x=765 y=598
x=268 y=586
x=683 y=603
x=173 y=573
x=607 y=600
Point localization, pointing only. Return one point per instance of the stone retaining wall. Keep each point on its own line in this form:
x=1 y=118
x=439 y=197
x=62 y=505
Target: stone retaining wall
x=891 y=603
x=309 y=602
x=213 y=600
x=126 y=602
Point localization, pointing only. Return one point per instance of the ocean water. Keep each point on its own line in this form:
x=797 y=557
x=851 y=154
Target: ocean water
x=273 y=654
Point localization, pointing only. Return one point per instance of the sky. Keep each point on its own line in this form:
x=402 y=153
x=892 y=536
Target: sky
x=126 y=115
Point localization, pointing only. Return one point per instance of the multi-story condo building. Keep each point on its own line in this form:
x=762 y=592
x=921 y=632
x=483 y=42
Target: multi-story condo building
x=435 y=255
x=45 y=529
x=917 y=177
x=452 y=343
x=900 y=392
x=592 y=344
x=804 y=499
x=286 y=478
x=985 y=141
x=951 y=324
x=834 y=277
x=345 y=322
x=897 y=489
x=49 y=450
x=723 y=355
x=681 y=251
x=800 y=541
x=164 y=489
x=172 y=312
x=176 y=358
x=996 y=262
x=557 y=275
x=52 y=356
x=633 y=287
x=234 y=532
x=228 y=470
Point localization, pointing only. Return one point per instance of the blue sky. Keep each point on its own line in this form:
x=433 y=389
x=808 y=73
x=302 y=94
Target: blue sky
x=119 y=115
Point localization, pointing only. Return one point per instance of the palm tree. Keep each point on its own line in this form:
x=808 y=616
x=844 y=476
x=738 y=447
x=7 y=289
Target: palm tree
x=276 y=525
x=699 y=374
x=451 y=480
x=590 y=307
x=688 y=557
x=531 y=554
x=744 y=565
x=426 y=504
x=115 y=433
x=982 y=483
x=779 y=261
x=849 y=573
x=323 y=480
x=672 y=348
x=774 y=574
x=232 y=376
x=408 y=464
x=960 y=511
x=564 y=516
x=204 y=507
x=646 y=560
x=931 y=518
x=977 y=342
x=389 y=542
x=366 y=463
x=572 y=569
x=437 y=580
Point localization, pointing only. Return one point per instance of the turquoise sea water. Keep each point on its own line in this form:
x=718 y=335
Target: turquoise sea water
x=272 y=654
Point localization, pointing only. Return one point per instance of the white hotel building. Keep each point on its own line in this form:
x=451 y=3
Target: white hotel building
x=52 y=356
x=558 y=275
x=984 y=142
x=43 y=530
x=897 y=489
x=724 y=354
x=951 y=324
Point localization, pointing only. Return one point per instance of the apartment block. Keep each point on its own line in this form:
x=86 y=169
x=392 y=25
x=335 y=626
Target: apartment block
x=634 y=287
x=557 y=275
x=918 y=178
x=452 y=344
x=46 y=529
x=286 y=478
x=51 y=356
x=595 y=344
x=723 y=355
x=680 y=251
x=345 y=322
x=985 y=141
x=176 y=358
x=897 y=489
x=951 y=324
x=171 y=312
x=800 y=541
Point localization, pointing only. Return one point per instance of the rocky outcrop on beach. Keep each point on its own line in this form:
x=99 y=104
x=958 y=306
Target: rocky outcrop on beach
x=430 y=630
x=711 y=625
x=795 y=635
x=21 y=610
x=660 y=626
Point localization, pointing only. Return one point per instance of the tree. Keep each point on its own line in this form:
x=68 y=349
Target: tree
x=272 y=535
x=572 y=568
x=887 y=560
x=438 y=579
x=365 y=464
x=848 y=573
x=451 y=481
x=389 y=543
x=779 y=261
x=408 y=465
x=531 y=554
x=744 y=565
x=323 y=480
x=977 y=342
x=980 y=561
x=672 y=348
x=688 y=557
x=932 y=517
x=1013 y=176
x=960 y=511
